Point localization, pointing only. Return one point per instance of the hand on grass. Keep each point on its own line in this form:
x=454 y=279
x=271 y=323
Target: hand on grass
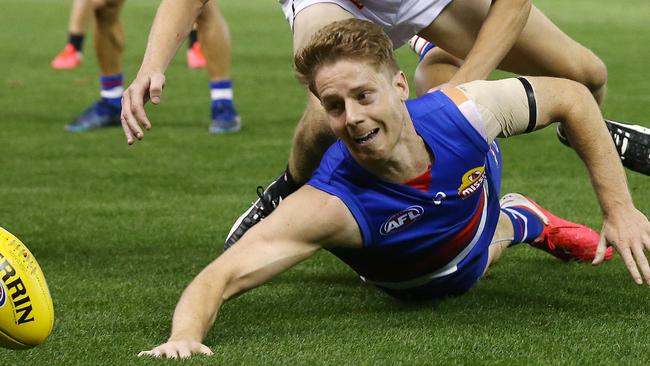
x=177 y=349
x=629 y=232
x=146 y=86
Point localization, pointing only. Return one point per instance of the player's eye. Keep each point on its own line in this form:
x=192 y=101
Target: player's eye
x=334 y=108
x=365 y=96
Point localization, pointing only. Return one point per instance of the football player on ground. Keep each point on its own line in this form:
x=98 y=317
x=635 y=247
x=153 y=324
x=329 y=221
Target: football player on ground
x=109 y=44
x=510 y=34
x=409 y=195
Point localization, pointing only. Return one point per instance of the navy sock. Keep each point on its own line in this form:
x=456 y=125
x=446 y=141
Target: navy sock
x=76 y=40
x=527 y=226
x=192 y=38
x=111 y=93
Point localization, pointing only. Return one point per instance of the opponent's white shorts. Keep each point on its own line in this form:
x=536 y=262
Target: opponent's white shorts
x=400 y=19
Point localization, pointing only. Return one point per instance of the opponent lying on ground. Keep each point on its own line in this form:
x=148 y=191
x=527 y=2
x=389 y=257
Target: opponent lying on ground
x=408 y=195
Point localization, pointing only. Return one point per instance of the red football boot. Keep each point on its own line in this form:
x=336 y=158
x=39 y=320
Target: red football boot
x=563 y=239
x=69 y=58
x=195 y=58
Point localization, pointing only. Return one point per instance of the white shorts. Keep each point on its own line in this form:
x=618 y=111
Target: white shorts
x=400 y=19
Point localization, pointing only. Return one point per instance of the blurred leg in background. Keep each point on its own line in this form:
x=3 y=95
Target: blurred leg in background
x=214 y=40
x=72 y=54
x=109 y=44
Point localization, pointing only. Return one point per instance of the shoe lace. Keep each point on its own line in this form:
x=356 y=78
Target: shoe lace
x=271 y=197
x=267 y=204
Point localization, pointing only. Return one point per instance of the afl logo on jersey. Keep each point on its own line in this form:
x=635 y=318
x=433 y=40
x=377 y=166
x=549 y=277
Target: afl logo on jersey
x=471 y=182
x=401 y=220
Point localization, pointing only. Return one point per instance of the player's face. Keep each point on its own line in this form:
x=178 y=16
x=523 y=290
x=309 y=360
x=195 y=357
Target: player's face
x=365 y=107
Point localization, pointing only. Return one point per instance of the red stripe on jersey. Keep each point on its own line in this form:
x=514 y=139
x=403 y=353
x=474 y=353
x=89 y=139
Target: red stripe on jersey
x=427 y=261
x=421 y=182
x=445 y=253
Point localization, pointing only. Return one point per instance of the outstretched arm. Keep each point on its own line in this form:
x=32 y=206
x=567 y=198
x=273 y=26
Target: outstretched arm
x=505 y=107
x=624 y=226
x=171 y=25
x=282 y=240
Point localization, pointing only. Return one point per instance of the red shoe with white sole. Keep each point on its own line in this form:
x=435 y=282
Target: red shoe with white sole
x=563 y=239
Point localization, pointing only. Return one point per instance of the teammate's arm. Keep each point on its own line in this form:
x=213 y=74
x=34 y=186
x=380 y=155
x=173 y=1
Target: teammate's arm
x=500 y=30
x=171 y=26
x=511 y=107
x=301 y=225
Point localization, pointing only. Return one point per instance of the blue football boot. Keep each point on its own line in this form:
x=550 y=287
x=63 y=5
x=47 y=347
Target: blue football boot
x=100 y=114
x=224 y=118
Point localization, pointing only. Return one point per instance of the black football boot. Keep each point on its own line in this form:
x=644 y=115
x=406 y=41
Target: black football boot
x=268 y=200
x=632 y=144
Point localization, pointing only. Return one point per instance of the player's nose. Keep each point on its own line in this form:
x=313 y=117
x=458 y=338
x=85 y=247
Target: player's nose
x=353 y=113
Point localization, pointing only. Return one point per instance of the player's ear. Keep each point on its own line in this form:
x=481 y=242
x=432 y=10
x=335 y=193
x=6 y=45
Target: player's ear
x=401 y=85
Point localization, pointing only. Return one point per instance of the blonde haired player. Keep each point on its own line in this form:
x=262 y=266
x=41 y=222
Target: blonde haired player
x=409 y=194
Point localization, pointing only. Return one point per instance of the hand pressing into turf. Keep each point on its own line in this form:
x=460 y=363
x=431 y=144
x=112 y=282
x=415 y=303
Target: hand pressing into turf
x=629 y=232
x=177 y=349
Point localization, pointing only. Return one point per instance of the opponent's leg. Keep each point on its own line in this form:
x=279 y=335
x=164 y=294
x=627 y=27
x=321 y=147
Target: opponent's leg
x=542 y=49
x=109 y=43
x=215 y=40
x=312 y=136
x=71 y=56
x=436 y=66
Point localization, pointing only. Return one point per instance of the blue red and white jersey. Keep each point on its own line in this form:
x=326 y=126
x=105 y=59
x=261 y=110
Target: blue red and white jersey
x=412 y=236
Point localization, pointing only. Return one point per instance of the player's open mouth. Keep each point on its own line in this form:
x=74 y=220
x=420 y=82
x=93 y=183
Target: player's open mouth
x=366 y=137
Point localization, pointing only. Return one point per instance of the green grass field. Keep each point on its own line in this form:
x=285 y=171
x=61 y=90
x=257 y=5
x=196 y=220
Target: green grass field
x=119 y=231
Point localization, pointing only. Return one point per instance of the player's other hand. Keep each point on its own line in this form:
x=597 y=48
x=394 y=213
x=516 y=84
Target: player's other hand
x=177 y=349
x=146 y=86
x=629 y=232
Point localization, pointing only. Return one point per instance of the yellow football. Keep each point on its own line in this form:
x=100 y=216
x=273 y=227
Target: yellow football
x=26 y=311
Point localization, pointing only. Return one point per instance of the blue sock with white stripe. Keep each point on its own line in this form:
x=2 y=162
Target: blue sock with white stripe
x=221 y=95
x=221 y=92
x=527 y=226
x=111 y=93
